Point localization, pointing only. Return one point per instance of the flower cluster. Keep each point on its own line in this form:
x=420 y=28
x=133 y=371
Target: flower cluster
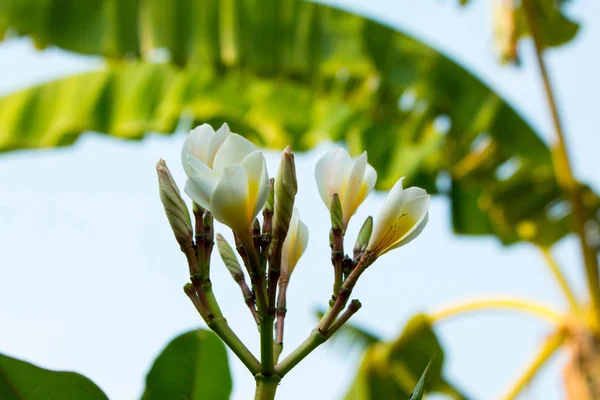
x=227 y=179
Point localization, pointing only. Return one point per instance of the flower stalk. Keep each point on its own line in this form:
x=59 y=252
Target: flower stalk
x=564 y=171
x=228 y=181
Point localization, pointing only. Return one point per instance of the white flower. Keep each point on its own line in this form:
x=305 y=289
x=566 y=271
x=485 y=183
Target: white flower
x=227 y=175
x=401 y=219
x=352 y=180
x=294 y=244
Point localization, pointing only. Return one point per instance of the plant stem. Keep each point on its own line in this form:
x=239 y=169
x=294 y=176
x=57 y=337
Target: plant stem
x=549 y=347
x=315 y=339
x=500 y=303
x=220 y=326
x=345 y=291
x=281 y=311
x=337 y=257
x=560 y=279
x=267 y=357
x=564 y=171
x=346 y=315
x=222 y=329
x=266 y=386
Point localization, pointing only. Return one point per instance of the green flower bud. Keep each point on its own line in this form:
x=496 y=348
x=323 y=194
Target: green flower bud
x=270 y=204
x=286 y=187
x=175 y=208
x=229 y=259
x=335 y=211
x=363 y=237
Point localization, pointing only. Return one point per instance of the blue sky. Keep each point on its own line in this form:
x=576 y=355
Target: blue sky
x=91 y=276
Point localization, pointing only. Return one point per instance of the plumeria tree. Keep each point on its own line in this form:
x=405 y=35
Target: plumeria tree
x=228 y=181
x=347 y=79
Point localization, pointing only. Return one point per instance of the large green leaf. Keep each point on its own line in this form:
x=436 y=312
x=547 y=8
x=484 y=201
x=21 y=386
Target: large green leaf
x=20 y=380
x=392 y=370
x=193 y=366
x=293 y=72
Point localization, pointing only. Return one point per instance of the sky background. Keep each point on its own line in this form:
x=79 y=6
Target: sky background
x=92 y=277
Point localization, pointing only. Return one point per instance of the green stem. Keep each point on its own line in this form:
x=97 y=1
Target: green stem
x=267 y=357
x=549 y=347
x=561 y=280
x=222 y=329
x=564 y=171
x=266 y=386
x=315 y=339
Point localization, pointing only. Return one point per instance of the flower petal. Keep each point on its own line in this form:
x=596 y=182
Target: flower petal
x=390 y=210
x=200 y=191
x=331 y=173
x=232 y=151
x=294 y=245
x=258 y=181
x=216 y=142
x=196 y=144
x=414 y=212
x=229 y=202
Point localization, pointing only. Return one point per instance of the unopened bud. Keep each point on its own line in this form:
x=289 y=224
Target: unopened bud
x=335 y=210
x=270 y=204
x=175 y=208
x=286 y=187
x=229 y=259
x=363 y=237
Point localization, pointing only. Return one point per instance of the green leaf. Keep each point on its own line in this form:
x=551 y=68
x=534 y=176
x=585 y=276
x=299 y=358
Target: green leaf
x=392 y=370
x=193 y=366
x=20 y=380
x=297 y=73
x=554 y=26
x=417 y=394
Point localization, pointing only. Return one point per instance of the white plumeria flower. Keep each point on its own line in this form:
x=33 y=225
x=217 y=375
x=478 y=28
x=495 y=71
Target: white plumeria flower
x=294 y=244
x=227 y=175
x=401 y=219
x=352 y=180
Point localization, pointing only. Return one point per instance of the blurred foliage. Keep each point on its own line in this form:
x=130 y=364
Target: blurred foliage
x=294 y=72
x=510 y=25
x=20 y=380
x=391 y=370
x=193 y=366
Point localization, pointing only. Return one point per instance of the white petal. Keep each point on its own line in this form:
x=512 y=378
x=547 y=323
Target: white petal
x=354 y=195
x=258 y=181
x=196 y=144
x=389 y=212
x=331 y=173
x=200 y=191
x=216 y=142
x=295 y=244
x=413 y=213
x=229 y=203
x=413 y=235
x=232 y=151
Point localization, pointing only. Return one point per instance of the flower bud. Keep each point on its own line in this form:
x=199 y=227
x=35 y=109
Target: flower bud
x=270 y=204
x=335 y=211
x=286 y=187
x=294 y=245
x=175 y=208
x=229 y=259
x=363 y=237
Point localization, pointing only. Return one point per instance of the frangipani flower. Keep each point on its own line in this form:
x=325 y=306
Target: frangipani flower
x=227 y=175
x=294 y=244
x=401 y=219
x=352 y=180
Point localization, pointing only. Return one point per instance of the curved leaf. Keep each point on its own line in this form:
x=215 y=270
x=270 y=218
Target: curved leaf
x=20 y=380
x=293 y=72
x=193 y=366
x=392 y=370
